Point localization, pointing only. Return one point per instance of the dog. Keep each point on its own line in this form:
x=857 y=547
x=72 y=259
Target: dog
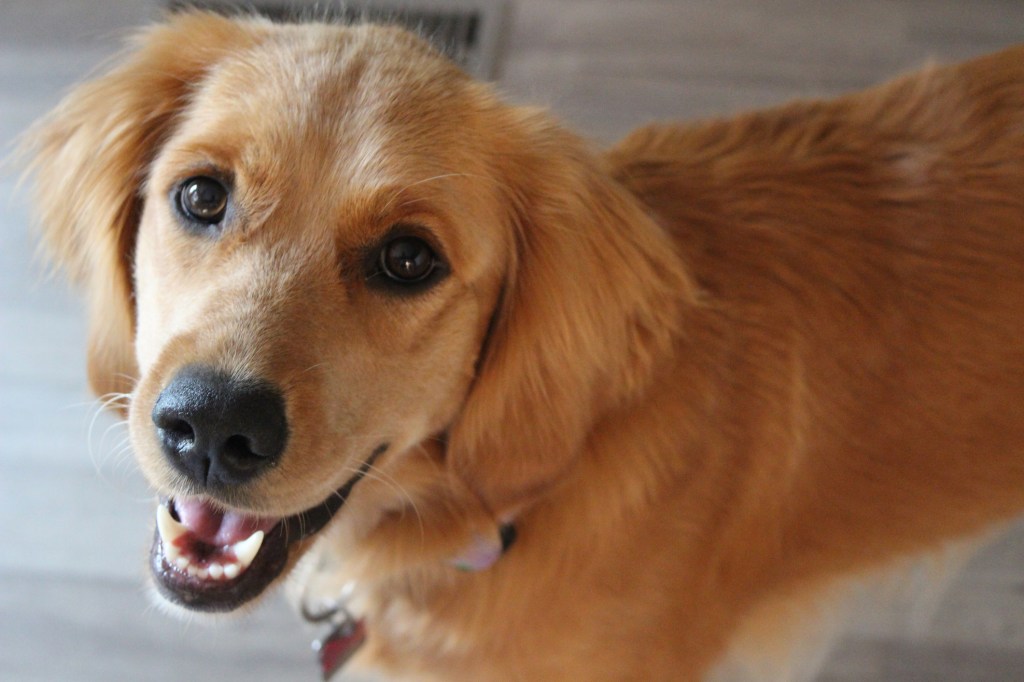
x=374 y=325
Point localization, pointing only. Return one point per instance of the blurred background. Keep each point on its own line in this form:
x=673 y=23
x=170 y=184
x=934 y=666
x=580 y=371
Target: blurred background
x=75 y=516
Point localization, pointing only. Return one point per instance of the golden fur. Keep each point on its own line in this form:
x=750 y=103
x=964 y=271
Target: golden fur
x=720 y=366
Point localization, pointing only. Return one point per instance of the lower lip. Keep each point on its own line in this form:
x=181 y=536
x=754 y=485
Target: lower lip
x=221 y=595
x=267 y=565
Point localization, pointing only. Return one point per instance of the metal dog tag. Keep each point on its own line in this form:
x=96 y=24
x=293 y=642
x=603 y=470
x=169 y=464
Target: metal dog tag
x=339 y=645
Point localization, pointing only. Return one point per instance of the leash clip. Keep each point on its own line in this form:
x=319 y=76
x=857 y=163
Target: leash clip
x=345 y=636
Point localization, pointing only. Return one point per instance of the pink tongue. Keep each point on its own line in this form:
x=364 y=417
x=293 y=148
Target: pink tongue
x=215 y=526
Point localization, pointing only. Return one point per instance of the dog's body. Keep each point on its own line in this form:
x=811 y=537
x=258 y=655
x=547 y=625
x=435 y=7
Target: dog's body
x=722 y=367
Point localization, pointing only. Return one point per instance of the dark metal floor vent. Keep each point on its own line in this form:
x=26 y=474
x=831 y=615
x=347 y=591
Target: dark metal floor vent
x=467 y=31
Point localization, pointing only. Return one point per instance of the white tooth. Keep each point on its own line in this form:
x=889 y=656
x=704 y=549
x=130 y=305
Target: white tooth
x=246 y=549
x=182 y=562
x=192 y=570
x=171 y=552
x=203 y=574
x=170 y=530
x=231 y=571
x=216 y=571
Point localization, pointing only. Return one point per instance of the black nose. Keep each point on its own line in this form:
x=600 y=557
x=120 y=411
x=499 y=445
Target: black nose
x=217 y=430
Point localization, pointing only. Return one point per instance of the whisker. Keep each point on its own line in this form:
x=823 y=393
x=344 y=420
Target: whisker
x=133 y=381
x=312 y=367
x=375 y=473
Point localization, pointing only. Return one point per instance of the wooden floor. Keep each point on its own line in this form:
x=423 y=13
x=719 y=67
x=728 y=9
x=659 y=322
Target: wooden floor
x=75 y=515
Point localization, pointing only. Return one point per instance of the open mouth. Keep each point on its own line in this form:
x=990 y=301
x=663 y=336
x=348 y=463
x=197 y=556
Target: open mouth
x=210 y=559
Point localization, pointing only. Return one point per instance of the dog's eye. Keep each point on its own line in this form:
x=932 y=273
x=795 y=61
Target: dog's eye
x=203 y=199
x=407 y=260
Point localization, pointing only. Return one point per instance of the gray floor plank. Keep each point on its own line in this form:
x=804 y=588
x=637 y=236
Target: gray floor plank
x=64 y=631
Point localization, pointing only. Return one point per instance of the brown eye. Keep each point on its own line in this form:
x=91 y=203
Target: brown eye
x=203 y=199
x=407 y=260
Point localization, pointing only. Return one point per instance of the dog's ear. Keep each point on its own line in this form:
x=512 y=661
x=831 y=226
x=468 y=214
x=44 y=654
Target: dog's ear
x=90 y=159
x=591 y=305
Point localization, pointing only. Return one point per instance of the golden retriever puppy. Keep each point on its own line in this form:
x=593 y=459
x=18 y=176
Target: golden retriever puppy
x=361 y=305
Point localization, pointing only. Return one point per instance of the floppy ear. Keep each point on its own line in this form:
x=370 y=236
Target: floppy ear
x=90 y=159
x=590 y=308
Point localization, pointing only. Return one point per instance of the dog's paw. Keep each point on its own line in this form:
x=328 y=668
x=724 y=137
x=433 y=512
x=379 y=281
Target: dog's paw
x=416 y=515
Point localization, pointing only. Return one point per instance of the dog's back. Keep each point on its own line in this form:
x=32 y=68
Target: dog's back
x=862 y=263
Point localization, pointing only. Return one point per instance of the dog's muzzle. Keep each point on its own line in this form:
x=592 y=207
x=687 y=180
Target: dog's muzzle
x=209 y=558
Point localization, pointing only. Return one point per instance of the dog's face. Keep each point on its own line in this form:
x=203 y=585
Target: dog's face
x=311 y=249
x=351 y=264
x=344 y=253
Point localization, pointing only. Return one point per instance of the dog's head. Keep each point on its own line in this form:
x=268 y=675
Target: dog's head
x=309 y=249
